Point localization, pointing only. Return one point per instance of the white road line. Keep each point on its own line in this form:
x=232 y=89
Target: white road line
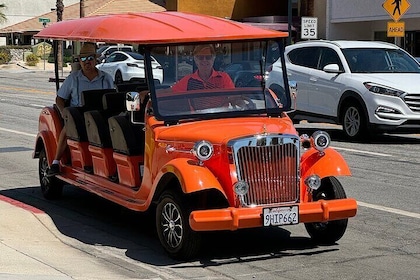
x=363 y=152
x=17 y=132
x=37 y=106
x=390 y=210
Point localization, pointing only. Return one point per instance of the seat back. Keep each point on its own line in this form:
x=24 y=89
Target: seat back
x=92 y=99
x=127 y=138
x=96 y=121
x=75 y=124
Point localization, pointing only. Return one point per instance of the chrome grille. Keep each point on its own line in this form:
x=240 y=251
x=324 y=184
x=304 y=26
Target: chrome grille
x=270 y=165
x=413 y=101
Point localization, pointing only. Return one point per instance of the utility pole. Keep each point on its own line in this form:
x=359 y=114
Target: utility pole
x=60 y=10
x=82 y=8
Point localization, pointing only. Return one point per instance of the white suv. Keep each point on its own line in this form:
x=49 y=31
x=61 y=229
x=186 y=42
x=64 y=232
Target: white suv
x=366 y=86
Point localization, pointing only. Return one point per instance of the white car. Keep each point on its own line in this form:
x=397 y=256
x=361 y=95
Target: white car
x=105 y=50
x=366 y=86
x=129 y=67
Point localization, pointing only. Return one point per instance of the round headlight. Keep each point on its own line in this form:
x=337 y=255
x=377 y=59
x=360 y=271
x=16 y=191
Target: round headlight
x=313 y=182
x=241 y=188
x=321 y=140
x=203 y=150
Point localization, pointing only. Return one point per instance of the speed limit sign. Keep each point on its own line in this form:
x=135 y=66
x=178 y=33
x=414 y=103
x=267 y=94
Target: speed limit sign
x=309 y=28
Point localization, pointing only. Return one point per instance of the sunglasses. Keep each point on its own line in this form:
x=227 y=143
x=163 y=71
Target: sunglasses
x=206 y=57
x=87 y=58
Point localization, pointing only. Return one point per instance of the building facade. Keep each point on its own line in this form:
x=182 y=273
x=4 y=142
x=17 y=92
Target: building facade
x=368 y=20
x=20 y=10
x=337 y=19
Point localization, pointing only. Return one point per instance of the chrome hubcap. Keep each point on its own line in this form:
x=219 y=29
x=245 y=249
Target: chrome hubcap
x=172 y=225
x=352 y=121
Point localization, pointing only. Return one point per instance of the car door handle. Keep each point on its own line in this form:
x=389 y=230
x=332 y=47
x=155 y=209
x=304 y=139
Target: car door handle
x=313 y=79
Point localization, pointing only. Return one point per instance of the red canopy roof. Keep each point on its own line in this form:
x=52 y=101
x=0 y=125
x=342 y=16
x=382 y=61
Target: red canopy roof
x=154 y=28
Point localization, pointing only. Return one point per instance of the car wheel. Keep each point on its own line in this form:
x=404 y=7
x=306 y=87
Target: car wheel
x=51 y=187
x=328 y=233
x=118 y=78
x=175 y=234
x=354 y=122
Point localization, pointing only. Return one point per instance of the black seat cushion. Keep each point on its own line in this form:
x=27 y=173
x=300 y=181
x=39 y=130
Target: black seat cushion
x=113 y=103
x=92 y=99
x=127 y=138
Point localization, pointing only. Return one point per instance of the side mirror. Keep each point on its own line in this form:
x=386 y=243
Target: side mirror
x=293 y=94
x=332 y=68
x=132 y=101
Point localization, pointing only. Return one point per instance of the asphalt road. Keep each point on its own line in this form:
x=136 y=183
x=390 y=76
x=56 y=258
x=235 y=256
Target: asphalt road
x=381 y=242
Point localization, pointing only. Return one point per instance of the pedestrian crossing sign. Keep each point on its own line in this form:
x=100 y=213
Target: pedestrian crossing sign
x=396 y=8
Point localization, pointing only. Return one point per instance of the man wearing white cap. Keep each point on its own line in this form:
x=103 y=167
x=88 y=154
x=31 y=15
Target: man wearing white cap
x=87 y=78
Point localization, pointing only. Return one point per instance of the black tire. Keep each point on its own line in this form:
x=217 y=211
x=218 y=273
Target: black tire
x=173 y=229
x=329 y=232
x=51 y=187
x=355 y=122
x=118 y=78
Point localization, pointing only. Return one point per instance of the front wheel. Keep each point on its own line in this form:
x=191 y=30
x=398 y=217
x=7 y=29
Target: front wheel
x=354 y=122
x=328 y=232
x=51 y=187
x=173 y=229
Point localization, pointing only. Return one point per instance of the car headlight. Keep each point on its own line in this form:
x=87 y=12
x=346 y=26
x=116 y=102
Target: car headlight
x=241 y=188
x=380 y=89
x=203 y=150
x=313 y=182
x=320 y=140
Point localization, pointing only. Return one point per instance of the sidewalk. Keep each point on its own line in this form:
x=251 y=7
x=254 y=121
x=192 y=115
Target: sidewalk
x=41 y=66
x=32 y=248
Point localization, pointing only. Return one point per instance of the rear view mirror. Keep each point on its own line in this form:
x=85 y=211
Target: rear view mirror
x=132 y=101
x=293 y=94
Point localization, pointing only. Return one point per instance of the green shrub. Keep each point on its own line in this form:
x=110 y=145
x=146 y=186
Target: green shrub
x=4 y=57
x=32 y=60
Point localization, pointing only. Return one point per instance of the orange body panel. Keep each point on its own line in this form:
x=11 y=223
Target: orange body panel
x=79 y=153
x=128 y=169
x=103 y=162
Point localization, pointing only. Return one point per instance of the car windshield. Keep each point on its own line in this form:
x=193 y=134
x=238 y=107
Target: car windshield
x=195 y=86
x=376 y=60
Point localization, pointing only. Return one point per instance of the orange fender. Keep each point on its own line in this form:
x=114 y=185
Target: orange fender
x=191 y=176
x=45 y=139
x=331 y=163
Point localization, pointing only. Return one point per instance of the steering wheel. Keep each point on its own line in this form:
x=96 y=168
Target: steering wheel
x=241 y=102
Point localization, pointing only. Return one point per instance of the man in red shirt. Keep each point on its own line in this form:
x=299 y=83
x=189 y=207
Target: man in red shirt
x=205 y=78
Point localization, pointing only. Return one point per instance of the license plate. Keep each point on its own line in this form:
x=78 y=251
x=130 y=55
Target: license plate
x=288 y=215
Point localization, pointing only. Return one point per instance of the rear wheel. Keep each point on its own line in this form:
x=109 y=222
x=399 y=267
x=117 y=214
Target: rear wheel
x=118 y=78
x=328 y=232
x=175 y=234
x=51 y=187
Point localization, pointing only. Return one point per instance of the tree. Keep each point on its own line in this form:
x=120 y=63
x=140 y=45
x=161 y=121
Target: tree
x=2 y=15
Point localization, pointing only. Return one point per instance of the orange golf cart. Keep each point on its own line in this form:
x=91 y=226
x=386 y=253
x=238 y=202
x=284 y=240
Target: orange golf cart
x=203 y=158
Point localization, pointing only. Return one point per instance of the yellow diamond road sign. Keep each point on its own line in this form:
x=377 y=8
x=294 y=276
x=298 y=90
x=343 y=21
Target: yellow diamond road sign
x=396 y=8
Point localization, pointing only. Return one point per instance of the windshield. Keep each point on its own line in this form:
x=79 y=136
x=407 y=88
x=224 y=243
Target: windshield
x=380 y=61
x=216 y=80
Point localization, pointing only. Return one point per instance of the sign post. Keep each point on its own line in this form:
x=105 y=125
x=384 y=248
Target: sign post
x=44 y=23
x=396 y=9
